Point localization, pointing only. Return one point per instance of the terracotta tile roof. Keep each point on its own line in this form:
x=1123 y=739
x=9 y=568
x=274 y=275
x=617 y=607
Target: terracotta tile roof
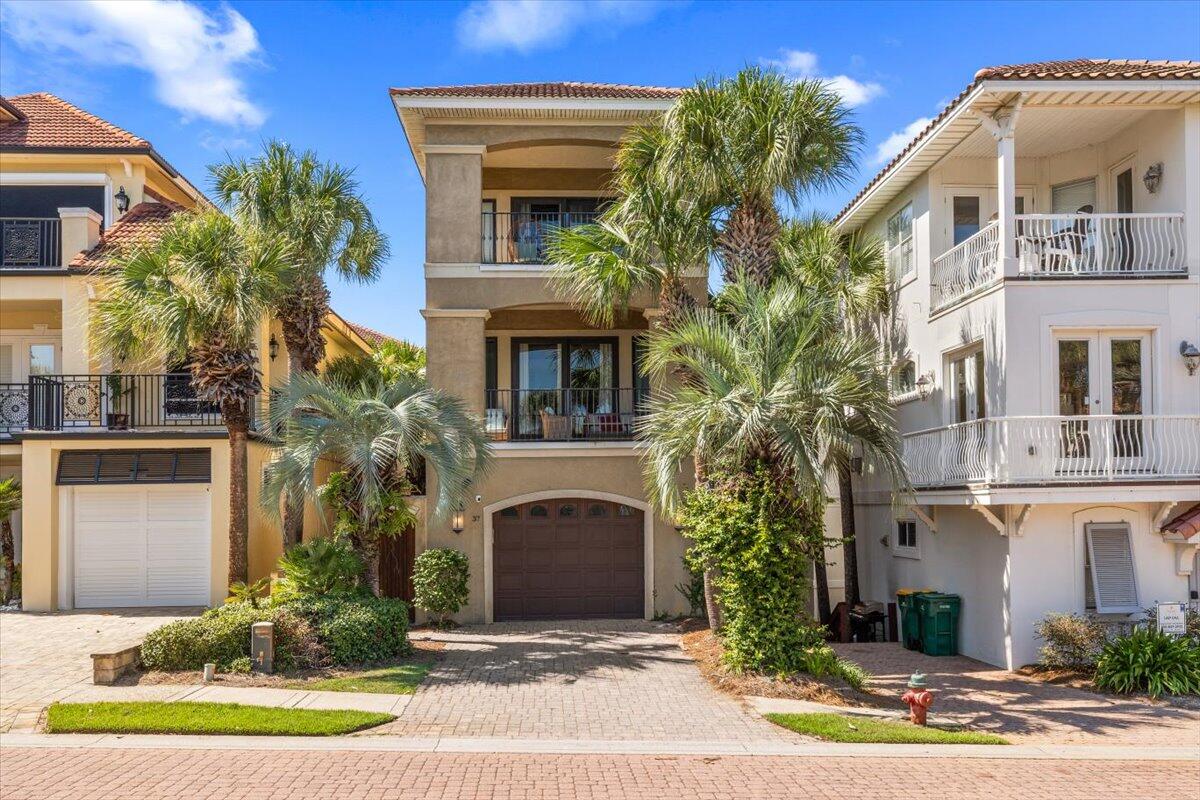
x=53 y=122
x=1186 y=524
x=1081 y=69
x=557 y=89
x=142 y=224
x=370 y=336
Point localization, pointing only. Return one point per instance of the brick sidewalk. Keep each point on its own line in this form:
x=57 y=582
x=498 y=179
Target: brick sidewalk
x=94 y=774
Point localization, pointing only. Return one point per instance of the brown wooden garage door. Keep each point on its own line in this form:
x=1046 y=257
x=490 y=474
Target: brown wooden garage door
x=568 y=559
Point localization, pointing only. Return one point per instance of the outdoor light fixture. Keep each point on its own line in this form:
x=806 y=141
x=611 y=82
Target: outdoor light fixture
x=122 y=200
x=924 y=386
x=1153 y=177
x=1191 y=356
x=273 y=347
x=456 y=520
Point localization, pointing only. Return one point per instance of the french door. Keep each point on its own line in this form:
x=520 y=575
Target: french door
x=968 y=407
x=1106 y=375
x=568 y=379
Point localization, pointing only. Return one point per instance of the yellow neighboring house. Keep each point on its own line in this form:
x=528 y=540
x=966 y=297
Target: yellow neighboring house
x=125 y=476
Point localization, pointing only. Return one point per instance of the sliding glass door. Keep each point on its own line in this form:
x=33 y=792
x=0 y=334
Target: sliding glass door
x=559 y=384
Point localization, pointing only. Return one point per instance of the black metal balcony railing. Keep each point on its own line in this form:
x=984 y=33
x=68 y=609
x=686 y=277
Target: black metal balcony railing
x=14 y=407
x=521 y=237
x=116 y=401
x=562 y=414
x=30 y=242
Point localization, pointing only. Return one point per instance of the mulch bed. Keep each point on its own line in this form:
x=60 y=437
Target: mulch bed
x=424 y=651
x=1079 y=679
x=706 y=649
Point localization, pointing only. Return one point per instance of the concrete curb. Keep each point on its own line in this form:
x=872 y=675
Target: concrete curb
x=402 y=744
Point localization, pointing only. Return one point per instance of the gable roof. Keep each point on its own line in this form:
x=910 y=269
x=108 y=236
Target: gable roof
x=50 y=121
x=142 y=224
x=552 y=89
x=1079 y=69
x=370 y=335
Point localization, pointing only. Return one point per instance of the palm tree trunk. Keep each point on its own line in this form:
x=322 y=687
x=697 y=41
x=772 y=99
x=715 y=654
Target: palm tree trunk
x=824 y=611
x=238 y=423
x=746 y=244
x=8 y=559
x=849 y=530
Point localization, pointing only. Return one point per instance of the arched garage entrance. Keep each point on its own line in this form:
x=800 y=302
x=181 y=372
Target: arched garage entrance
x=568 y=558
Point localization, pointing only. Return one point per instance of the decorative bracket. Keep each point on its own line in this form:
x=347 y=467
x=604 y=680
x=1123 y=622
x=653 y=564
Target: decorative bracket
x=991 y=518
x=1022 y=517
x=1005 y=125
x=1185 y=557
x=929 y=519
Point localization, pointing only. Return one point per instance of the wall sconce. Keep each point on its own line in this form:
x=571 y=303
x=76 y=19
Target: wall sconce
x=122 y=200
x=924 y=386
x=1153 y=177
x=1191 y=356
x=273 y=347
x=457 y=521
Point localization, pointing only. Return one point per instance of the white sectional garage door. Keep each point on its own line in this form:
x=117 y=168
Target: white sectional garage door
x=141 y=546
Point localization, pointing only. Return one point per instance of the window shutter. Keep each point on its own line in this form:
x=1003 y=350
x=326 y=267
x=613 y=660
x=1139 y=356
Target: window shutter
x=1113 y=579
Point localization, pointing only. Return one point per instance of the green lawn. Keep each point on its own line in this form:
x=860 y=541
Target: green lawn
x=846 y=728
x=400 y=679
x=206 y=718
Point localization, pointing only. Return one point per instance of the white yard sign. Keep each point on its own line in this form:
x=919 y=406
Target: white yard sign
x=1172 y=618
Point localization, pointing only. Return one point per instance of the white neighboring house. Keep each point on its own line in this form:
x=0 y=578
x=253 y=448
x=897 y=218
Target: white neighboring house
x=1044 y=232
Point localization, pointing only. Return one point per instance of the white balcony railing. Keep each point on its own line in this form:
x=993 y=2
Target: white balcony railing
x=967 y=267
x=1101 y=244
x=1055 y=449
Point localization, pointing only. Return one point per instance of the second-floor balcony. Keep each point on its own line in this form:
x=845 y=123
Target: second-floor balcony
x=1079 y=245
x=1055 y=450
x=522 y=237
x=563 y=415
x=30 y=242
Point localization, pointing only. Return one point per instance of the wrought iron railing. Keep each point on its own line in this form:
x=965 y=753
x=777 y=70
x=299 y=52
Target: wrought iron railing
x=965 y=269
x=557 y=415
x=1055 y=449
x=30 y=242
x=522 y=237
x=14 y=407
x=118 y=401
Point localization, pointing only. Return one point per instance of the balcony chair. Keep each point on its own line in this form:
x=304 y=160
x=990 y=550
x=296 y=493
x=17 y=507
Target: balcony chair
x=1064 y=251
x=495 y=423
x=555 y=426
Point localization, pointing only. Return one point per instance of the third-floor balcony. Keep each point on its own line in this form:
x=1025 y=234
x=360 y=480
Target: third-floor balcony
x=30 y=242
x=1079 y=245
x=1056 y=450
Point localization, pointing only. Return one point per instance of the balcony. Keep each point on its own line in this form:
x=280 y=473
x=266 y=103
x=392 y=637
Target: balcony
x=1063 y=246
x=562 y=415
x=30 y=242
x=522 y=237
x=105 y=402
x=1055 y=450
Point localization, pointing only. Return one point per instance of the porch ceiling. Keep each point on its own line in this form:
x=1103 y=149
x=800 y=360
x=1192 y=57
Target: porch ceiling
x=1044 y=131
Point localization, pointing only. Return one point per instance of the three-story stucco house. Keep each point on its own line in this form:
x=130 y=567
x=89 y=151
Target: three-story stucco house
x=1044 y=235
x=124 y=474
x=561 y=527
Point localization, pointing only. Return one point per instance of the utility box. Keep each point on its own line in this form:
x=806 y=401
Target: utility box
x=938 y=615
x=262 y=647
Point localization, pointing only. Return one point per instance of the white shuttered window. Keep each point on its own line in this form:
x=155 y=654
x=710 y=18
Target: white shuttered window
x=1110 y=556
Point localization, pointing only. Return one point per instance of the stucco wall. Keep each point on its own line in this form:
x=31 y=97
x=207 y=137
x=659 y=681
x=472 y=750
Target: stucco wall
x=452 y=208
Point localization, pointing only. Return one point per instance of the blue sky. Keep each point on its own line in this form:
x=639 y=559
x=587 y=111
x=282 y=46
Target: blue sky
x=199 y=79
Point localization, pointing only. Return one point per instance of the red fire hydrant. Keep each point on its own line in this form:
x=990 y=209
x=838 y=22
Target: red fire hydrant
x=918 y=698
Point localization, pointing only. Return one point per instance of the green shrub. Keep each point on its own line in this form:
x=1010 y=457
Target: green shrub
x=822 y=662
x=440 y=582
x=760 y=542
x=242 y=665
x=1151 y=662
x=356 y=628
x=318 y=567
x=1071 y=641
x=222 y=635
x=693 y=591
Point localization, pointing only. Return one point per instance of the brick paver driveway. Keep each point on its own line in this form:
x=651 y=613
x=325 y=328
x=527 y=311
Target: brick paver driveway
x=47 y=657
x=99 y=774
x=1024 y=710
x=614 y=679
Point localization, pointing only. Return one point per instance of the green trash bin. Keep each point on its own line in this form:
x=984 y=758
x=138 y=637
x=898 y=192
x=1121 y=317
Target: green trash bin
x=938 y=614
x=910 y=620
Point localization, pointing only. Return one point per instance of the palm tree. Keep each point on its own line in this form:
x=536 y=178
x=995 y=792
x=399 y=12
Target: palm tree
x=10 y=501
x=771 y=384
x=736 y=144
x=852 y=272
x=315 y=207
x=645 y=241
x=198 y=295
x=377 y=433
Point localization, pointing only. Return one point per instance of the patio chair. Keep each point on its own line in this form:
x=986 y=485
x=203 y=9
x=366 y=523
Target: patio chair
x=1064 y=250
x=555 y=426
x=496 y=423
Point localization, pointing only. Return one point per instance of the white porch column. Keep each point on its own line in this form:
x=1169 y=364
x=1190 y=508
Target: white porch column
x=1191 y=182
x=1006 y=194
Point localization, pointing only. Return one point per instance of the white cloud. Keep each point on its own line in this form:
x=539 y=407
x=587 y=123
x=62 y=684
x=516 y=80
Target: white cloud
x=890 y=147
x=194 y=56
x=799 y=64
x=525 y=25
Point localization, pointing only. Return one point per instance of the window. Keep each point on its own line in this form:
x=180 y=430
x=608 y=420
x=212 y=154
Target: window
x=1109 y=577
x=900 y=242
x=967 y=387
x=904 y=378
x=906 y=539
x=966 y=217
x=1073 y=197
